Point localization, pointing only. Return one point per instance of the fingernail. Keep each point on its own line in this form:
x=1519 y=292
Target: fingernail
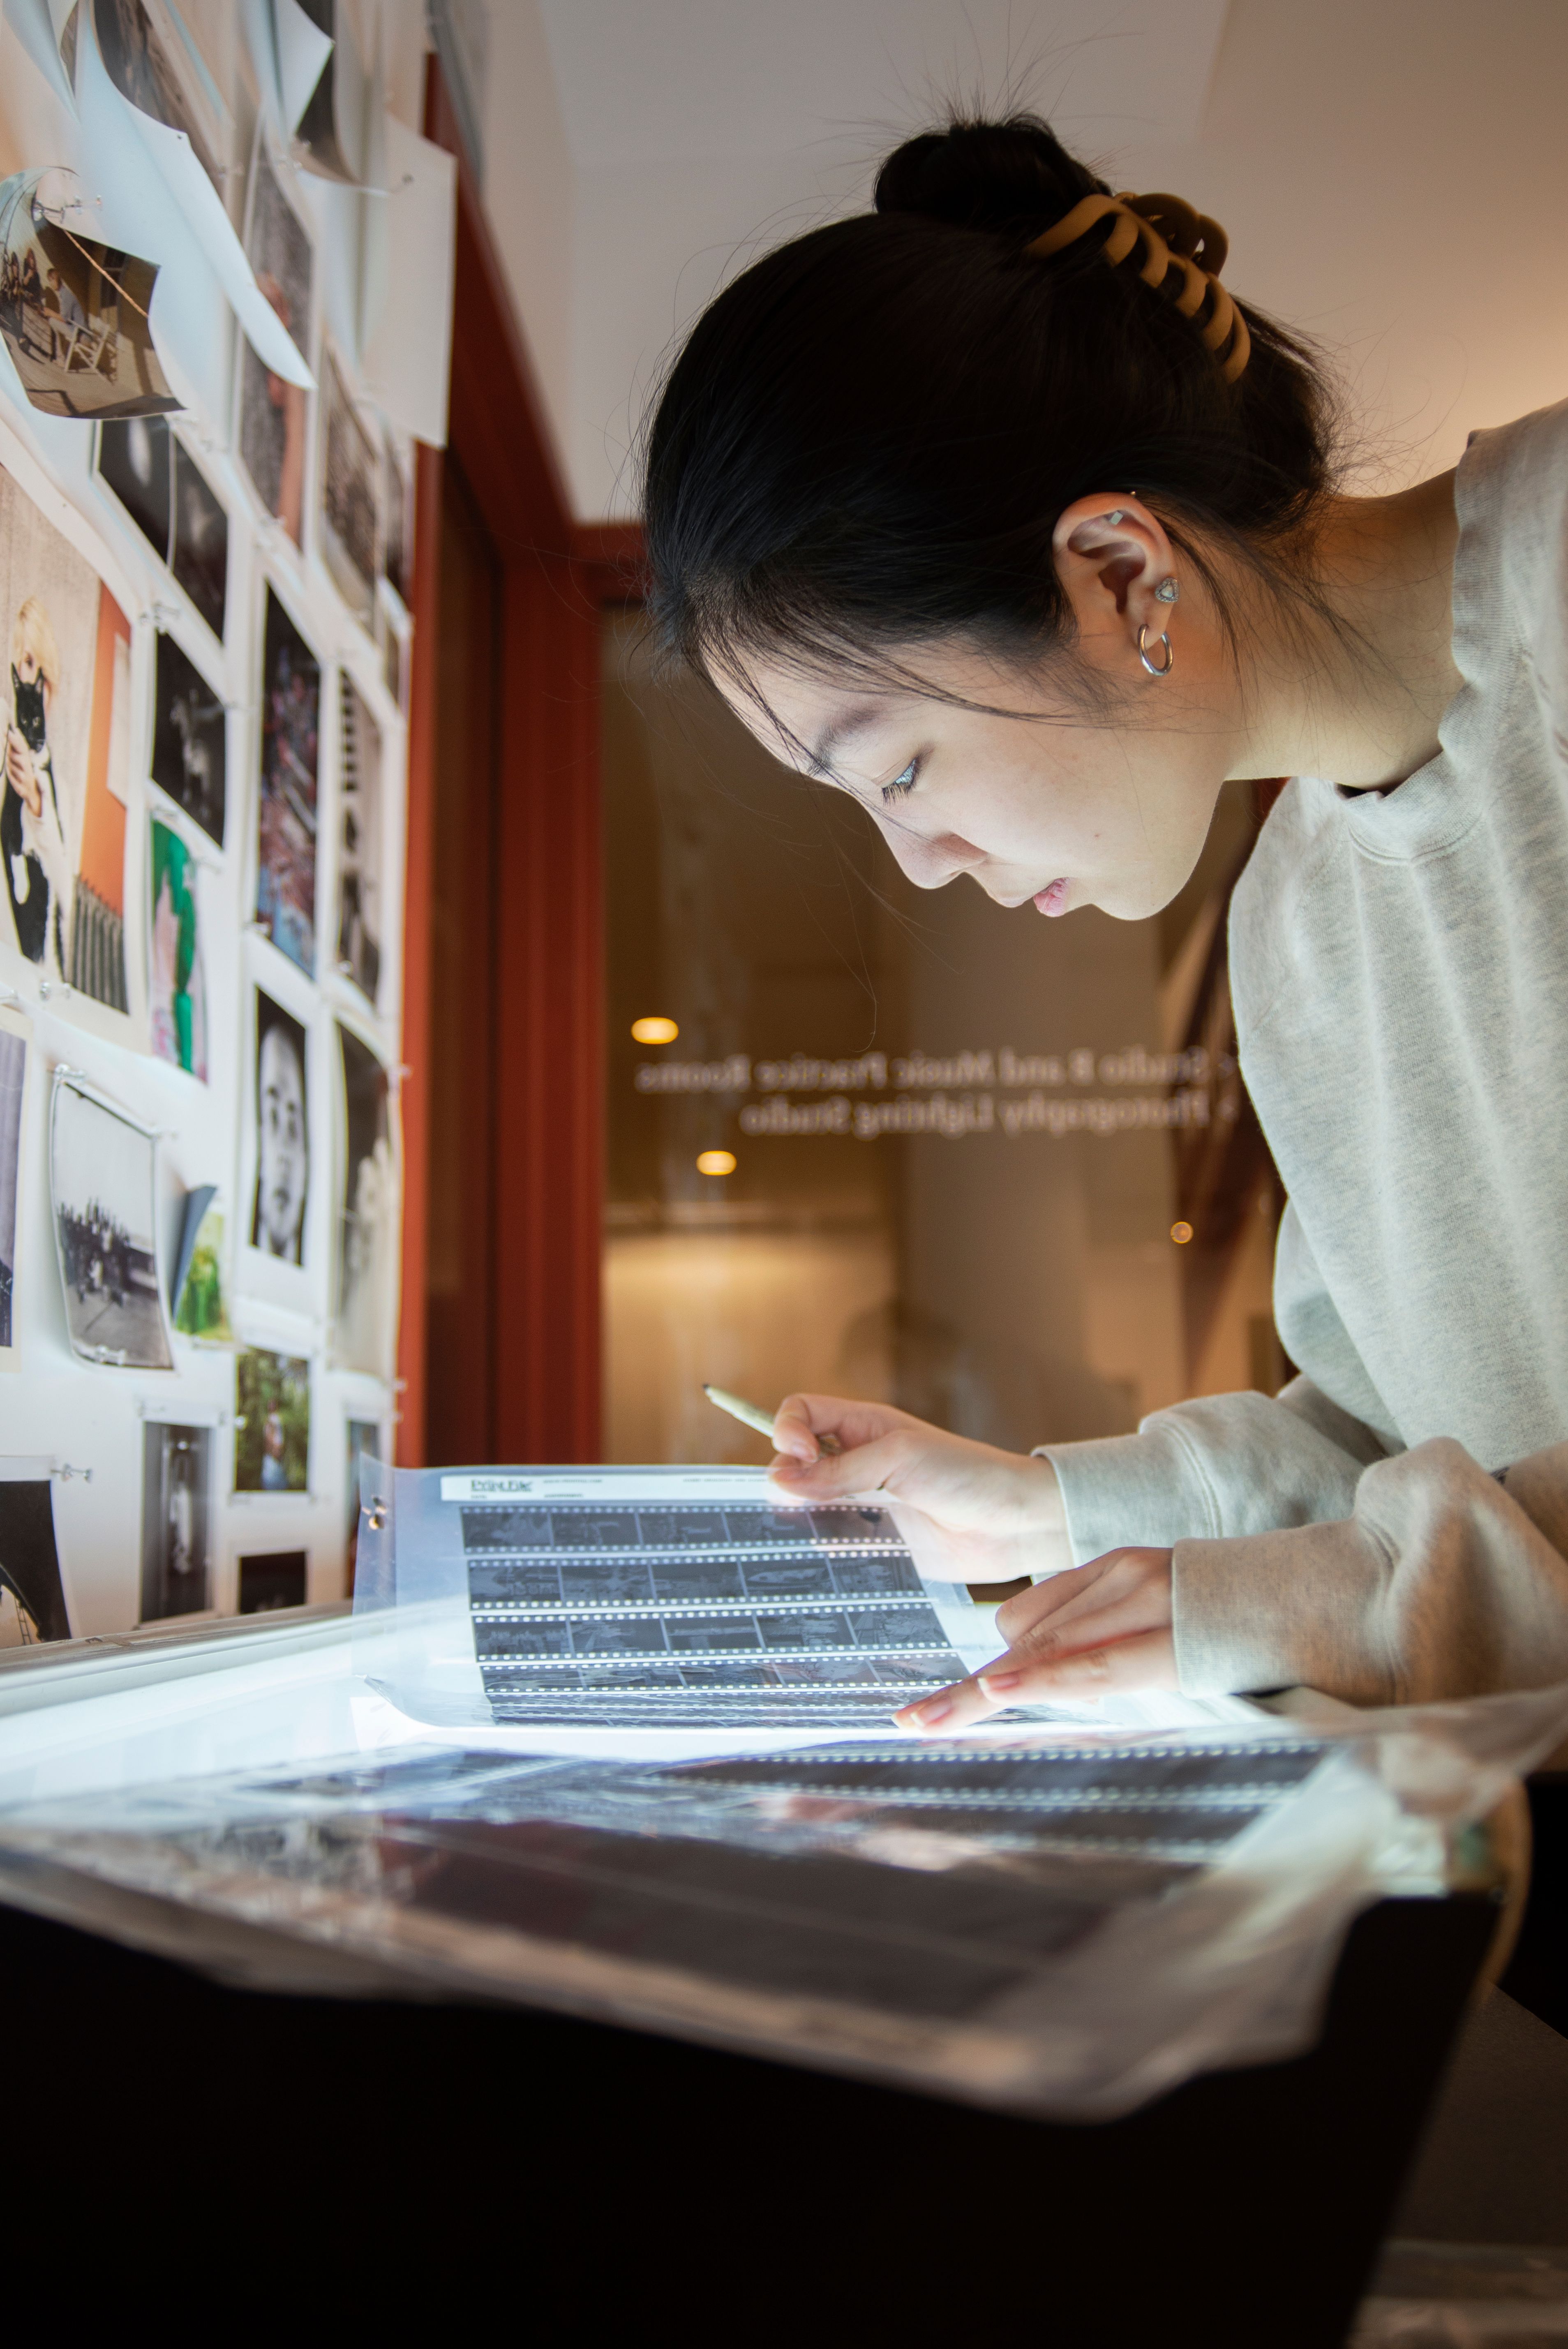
x=933 y=1708
x=999 y=1683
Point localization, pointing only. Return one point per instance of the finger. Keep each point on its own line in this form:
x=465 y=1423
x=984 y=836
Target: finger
x=1017 y=1615
x=950 y=1710
x=1146 y=1659
x=1136 y=1581
x=864 y=1468
x=802 y=1421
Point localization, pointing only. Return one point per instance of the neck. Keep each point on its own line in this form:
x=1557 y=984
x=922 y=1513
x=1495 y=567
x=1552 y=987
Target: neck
x=1356 y=694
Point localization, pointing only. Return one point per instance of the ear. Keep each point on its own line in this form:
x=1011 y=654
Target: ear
x=1111 y=555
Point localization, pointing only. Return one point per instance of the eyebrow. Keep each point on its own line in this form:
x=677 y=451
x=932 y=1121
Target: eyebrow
x=818 y=759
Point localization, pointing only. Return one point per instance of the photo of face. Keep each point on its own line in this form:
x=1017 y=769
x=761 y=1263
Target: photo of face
x=367 y=1216
x=189 y=755
x=32 y=836
x=65 y=757
x=282 y=1134
x=273 y=414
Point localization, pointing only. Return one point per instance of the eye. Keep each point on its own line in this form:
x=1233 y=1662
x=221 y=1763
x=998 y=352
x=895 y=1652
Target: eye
x=902 y=784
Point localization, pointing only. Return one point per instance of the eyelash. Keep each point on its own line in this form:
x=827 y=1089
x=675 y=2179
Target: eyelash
x=902 y=784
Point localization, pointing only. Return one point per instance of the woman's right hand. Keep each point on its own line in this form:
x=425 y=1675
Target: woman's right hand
x=969 y=1512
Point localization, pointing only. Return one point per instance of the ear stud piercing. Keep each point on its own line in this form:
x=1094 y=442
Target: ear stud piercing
x=1119 y=515
x=1168 y=592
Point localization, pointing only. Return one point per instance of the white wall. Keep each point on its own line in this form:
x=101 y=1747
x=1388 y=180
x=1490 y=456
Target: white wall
x=530 y=189
x=1393 y=177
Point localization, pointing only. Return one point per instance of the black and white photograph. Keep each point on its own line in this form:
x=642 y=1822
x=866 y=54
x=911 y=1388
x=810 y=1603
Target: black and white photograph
x=67 y=758
x=166 y=494
x=272 y=1422
x=74 y=311
x=286 y=819
x=274 y=416
x=176 y=1488
x=366 y=1267
x=397 y=516
x=136 y=461
x=350 y=482
x=360 y=847
x=282 y=1134
x=199 y=556
x=31 y=1596
x=363 y=1439
x=152 y=78
x=189 y=755
x=102 y=1192
x=13 y=1096
x=326 y=143
x=274 y=1578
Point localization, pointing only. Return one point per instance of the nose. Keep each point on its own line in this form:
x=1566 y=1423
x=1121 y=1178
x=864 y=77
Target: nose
x=931 y=864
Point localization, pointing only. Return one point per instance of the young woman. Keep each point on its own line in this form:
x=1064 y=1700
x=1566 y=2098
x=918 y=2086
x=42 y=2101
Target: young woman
x=990 y=508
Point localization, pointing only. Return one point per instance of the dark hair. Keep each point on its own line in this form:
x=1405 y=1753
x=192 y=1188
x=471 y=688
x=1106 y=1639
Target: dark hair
x=869 y=437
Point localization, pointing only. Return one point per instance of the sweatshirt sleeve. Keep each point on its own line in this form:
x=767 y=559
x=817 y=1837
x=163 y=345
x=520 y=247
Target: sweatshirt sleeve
x=1221 y=1465
x=1238 y=1463
x=1443 y=1581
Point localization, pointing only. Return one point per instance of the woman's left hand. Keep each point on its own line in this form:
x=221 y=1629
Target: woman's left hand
x=1092 y=1628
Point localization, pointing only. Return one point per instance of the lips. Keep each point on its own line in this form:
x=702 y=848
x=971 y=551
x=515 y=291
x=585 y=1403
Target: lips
x=1053 y=898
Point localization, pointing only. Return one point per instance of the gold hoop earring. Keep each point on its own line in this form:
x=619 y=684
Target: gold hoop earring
x=1143 y=653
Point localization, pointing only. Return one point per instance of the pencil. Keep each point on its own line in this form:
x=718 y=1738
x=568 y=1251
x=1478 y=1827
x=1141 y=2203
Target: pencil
x=750 y=1415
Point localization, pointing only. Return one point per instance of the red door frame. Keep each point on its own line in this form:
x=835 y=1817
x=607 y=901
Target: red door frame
x=549 y=1112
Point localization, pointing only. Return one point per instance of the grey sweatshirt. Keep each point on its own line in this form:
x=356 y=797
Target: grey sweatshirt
x=1400 y=967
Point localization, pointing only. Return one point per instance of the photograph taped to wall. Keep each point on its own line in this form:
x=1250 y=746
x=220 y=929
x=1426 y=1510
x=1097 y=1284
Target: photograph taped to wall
x=291 y=724
x=283 y=1133
x=102 y=1187
x=148 y=72
x=368 y=1223
x=328 y=143
x=360 y=848
x=274 y=416
x=362 y=1441
x=67 y=757
x=136 y=461
x=190 y=740
x=74 y=311
x=272 y=1422
x=274 y=1578
x=14 y=1050
x=200 y=1276
x=176 y=1485
x=32 y=1594
x=165 y=493
x=199 y=557
x=397 y=513
x=350 y=482
x=177 y=972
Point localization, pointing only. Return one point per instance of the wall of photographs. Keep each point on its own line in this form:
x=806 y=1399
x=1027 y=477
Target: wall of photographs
x=205 y=533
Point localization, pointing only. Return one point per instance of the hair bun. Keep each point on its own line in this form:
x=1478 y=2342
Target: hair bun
x=1009 y=176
